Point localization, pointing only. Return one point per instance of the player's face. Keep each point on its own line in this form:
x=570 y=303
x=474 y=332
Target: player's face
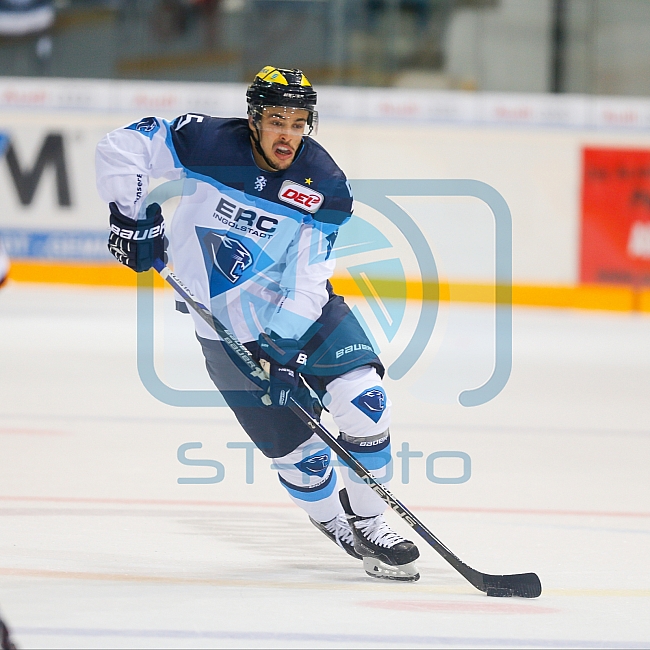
x=280 y=132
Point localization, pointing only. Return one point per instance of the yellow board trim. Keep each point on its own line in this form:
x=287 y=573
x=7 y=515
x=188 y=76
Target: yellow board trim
x=110 y=274
x=605 y=297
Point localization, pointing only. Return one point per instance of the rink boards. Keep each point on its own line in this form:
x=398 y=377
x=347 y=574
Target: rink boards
x=530 y=149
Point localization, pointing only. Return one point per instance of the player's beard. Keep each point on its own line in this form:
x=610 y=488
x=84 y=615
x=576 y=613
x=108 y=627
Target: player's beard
x=268 y=154
x=283 y=155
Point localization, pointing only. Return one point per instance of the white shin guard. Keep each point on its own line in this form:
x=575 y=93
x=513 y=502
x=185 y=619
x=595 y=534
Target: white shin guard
x=310 y=480
x=377 y=459
x=361 y=411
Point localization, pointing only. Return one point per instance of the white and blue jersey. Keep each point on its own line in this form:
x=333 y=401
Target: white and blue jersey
x=254 y=245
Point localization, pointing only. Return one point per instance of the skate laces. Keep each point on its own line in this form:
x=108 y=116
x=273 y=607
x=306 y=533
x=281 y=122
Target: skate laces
x=377 y=531
x=340 y=528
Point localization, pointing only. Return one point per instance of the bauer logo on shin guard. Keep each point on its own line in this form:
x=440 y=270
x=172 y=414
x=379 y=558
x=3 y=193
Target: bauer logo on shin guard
x=372 y=402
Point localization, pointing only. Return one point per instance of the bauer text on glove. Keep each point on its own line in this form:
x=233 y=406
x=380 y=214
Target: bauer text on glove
x=136 y=243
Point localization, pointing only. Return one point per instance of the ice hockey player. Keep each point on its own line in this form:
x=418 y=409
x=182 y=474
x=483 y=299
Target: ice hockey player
x=252 y=237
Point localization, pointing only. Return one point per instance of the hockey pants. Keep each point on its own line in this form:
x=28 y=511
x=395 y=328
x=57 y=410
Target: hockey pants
x=361 y=411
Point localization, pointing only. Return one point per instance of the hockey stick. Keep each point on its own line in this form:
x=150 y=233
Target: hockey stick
x=525 y=585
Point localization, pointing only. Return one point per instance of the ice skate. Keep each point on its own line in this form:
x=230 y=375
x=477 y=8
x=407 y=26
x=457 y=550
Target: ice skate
x=339 y=531
x=386 y=554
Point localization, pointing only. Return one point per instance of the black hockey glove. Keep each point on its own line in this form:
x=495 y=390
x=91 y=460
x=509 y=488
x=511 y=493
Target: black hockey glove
x=137 y=243
x=284 y=358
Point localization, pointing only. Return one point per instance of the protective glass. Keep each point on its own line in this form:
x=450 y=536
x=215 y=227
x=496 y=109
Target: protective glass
x=287 y=121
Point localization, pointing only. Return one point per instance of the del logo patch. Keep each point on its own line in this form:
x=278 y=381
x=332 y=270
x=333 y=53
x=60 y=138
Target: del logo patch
x=300 y=196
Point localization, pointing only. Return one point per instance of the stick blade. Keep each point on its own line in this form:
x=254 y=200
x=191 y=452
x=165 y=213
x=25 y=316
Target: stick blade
x=523 y=585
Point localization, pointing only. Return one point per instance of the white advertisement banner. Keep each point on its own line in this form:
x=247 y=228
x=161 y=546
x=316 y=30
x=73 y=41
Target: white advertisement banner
x=169 y=99
x=530 y=152
x=50 y=206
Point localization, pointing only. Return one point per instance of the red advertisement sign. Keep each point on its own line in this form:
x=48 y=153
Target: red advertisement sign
x=615 y=240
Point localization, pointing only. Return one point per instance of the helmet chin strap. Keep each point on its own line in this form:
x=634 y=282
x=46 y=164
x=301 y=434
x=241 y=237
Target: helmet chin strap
x=258 y=146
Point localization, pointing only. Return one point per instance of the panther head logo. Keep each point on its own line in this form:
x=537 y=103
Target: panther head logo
x=146 y=124
x=373 y=400
x=229 y=255
x=316 y=464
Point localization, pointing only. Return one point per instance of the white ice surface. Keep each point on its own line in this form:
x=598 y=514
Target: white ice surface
x=101 y=547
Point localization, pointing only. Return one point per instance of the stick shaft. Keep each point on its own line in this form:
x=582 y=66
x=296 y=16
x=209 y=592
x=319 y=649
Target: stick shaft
x=313 y=424
x=228 y=337
x=479 y=580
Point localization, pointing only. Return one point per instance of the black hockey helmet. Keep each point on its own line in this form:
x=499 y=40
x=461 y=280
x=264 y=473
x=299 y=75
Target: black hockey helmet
x=286 y=88
x=281 y=87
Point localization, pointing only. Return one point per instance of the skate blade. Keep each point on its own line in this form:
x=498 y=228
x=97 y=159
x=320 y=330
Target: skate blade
x=404 y=572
